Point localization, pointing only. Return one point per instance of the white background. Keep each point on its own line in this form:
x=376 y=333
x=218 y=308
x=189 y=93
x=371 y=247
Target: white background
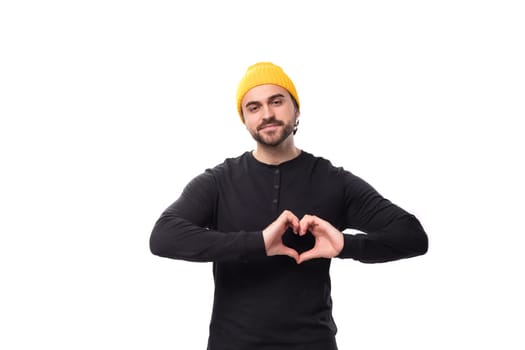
x=108 y=108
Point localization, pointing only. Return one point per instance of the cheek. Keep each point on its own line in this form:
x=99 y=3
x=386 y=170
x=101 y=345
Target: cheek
x=249 y=125
x=250 y=122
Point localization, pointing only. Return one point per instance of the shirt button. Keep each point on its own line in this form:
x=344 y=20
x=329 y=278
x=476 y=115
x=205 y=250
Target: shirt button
x=276 y=171
x=274 y=201
x=276 y=186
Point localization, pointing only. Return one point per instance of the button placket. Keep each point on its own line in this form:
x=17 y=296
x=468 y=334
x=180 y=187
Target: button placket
x=275 y=189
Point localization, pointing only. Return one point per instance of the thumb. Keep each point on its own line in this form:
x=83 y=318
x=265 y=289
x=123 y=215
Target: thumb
x=308 y=255
x=292 y=253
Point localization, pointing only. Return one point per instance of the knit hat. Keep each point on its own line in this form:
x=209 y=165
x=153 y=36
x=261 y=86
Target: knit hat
x=264 y=73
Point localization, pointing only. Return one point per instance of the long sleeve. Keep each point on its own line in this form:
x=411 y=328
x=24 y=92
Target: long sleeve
x=388 y=231
x=220 y=216
x=185 y=229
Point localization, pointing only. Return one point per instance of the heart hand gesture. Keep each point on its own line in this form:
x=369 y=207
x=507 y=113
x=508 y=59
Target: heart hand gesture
x=273 y=234
x=328 y=240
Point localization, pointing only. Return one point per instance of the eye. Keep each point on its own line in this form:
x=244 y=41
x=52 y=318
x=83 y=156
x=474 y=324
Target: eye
x=253 y=108
x=277 y=102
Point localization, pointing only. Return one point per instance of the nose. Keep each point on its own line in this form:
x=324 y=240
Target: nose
x=268 y=112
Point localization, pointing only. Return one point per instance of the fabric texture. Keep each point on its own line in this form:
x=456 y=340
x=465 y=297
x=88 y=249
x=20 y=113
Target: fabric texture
x=273 y=303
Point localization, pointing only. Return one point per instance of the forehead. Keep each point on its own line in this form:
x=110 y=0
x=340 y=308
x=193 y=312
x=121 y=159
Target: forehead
x=263 y=92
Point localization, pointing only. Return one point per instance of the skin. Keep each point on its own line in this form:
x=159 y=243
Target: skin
x=269 y=116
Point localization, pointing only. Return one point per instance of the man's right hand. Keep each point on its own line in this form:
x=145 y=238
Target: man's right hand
x=273 y=234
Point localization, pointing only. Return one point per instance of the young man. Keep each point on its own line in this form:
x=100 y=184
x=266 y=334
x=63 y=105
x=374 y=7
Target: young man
x=270 y=220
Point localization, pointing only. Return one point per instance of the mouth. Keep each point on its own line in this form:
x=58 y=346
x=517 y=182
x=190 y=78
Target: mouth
x=269 y=126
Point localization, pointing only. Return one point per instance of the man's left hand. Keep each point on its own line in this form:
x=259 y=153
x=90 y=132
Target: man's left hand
x=328 y=240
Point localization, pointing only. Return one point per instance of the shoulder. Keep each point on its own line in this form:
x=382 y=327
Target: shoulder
x=229 y=167
x=323 y=164
x=216 y=174
x=335 y=174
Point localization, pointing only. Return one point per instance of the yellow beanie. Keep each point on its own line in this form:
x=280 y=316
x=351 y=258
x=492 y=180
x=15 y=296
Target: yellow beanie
x=264 y=73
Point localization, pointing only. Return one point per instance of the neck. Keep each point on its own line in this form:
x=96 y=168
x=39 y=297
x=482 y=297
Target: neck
x=275 y=155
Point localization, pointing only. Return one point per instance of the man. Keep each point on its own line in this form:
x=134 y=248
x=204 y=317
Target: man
x=270 y=220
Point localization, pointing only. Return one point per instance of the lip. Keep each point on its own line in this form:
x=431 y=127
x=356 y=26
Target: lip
x=269 y=126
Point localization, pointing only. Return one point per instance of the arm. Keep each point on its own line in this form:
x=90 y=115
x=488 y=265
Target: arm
x=183 y=230
x=389 y=232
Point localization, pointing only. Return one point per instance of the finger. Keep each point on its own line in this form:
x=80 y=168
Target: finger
x=289 y=214
x=308 y=255
x=292 y=253
x=296 y=226
x=306 y=223
x=303 y=225
x=291 y=220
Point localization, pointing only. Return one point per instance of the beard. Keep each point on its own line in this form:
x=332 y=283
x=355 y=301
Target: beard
x=274 y=138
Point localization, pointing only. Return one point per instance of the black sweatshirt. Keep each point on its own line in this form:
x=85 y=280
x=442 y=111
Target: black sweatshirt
x=265 y=302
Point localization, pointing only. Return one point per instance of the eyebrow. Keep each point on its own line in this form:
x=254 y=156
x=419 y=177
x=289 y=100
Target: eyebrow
x=268 y=99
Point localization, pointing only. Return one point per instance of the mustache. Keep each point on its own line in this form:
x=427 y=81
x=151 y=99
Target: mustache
x=268 y=122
